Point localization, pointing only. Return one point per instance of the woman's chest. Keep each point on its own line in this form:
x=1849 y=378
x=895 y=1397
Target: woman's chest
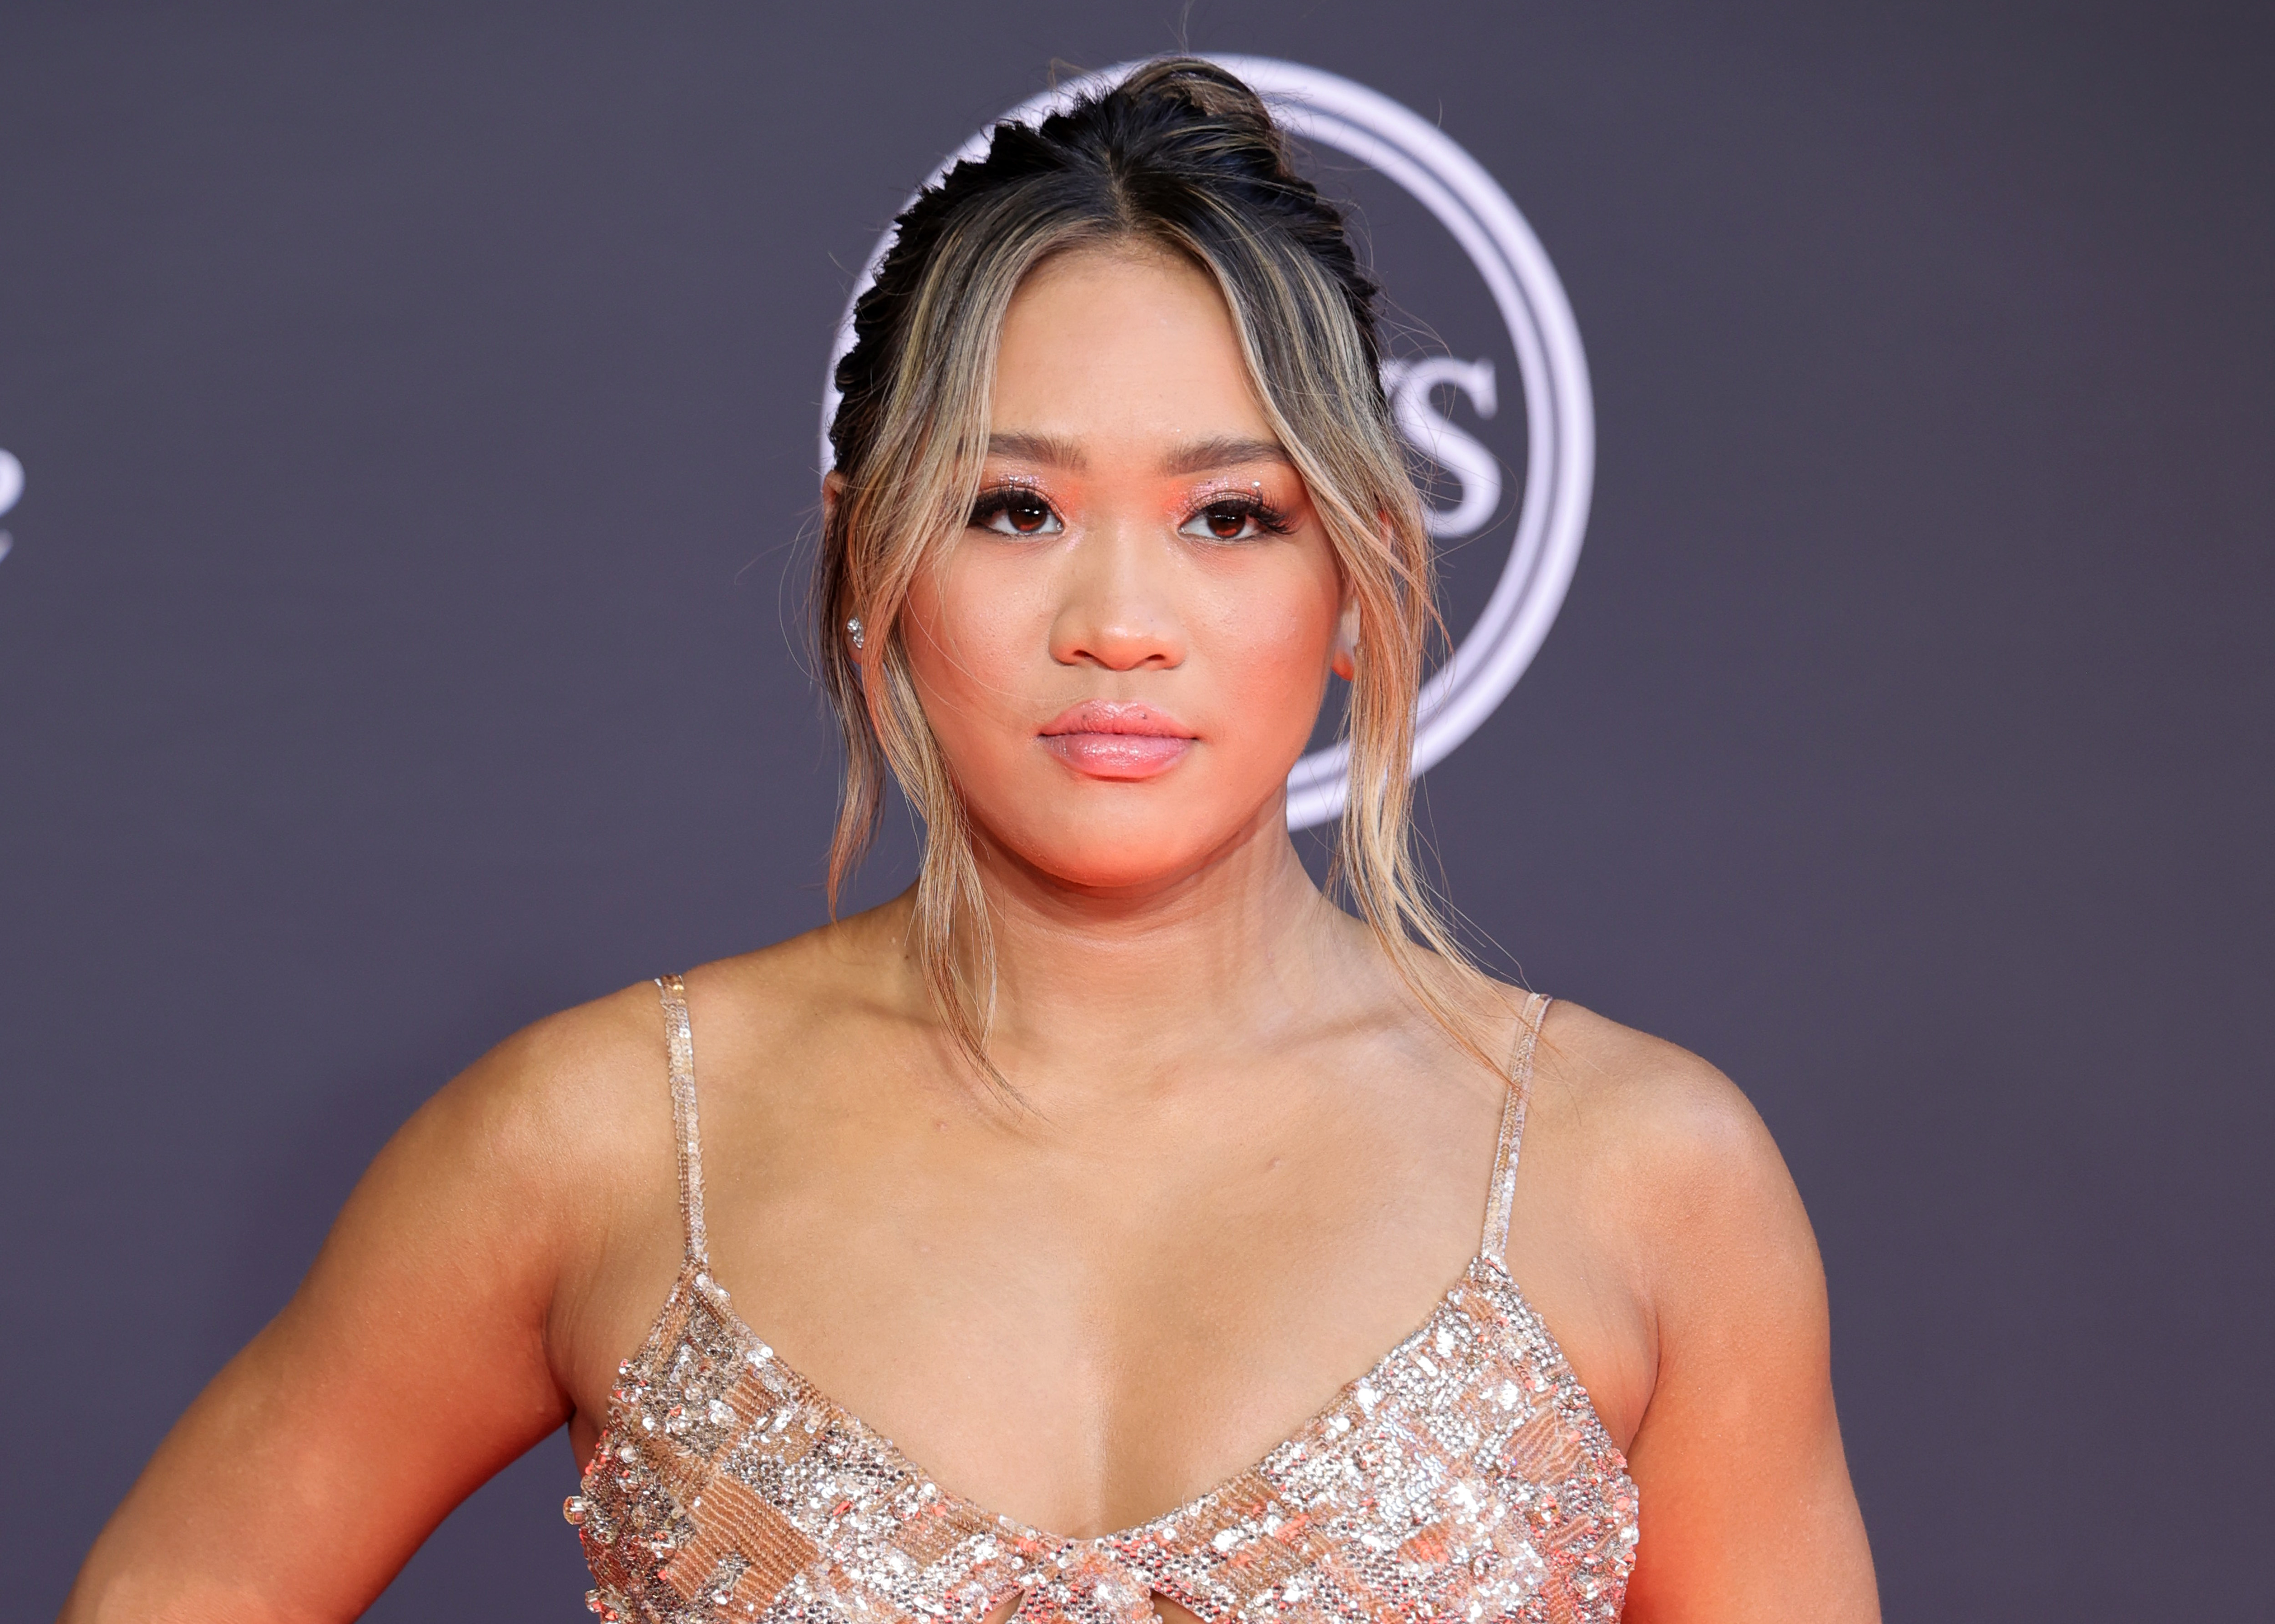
x=1084 y=1330
x=1081 y=1321
x=1082 y=1356
x=1461 y=1474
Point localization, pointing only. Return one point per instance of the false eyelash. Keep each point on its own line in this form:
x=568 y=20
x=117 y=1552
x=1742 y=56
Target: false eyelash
x=998 y=499
x=1271 y=520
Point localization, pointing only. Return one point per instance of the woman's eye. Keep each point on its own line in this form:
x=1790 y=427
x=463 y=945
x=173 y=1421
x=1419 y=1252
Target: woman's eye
x=1016 y=513
x=1225 y=521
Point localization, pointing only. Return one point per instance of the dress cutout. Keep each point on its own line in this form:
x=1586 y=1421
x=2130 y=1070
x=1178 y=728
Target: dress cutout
x=1465 y=1477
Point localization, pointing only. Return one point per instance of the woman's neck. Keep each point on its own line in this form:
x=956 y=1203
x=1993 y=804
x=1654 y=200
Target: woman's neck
x=1229 y=951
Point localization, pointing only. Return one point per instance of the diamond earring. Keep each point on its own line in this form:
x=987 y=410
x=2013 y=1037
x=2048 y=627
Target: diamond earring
x=853 y=630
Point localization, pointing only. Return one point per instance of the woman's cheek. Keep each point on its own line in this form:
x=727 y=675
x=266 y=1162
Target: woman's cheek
x=985 y=687
x=978 y=628
x=1274 y=662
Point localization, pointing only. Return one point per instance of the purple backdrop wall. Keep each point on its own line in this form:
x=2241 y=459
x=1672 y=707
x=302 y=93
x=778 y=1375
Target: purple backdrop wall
x=417 y=414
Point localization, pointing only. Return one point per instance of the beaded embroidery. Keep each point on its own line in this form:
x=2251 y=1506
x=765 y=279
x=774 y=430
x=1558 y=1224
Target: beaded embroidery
x=1465 y=1477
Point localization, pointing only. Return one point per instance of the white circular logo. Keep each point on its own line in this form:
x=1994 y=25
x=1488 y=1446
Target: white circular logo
x=11 y=485
x=1327 y=110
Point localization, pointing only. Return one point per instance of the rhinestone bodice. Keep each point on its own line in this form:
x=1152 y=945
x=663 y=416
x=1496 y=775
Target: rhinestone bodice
x=1466 y=1476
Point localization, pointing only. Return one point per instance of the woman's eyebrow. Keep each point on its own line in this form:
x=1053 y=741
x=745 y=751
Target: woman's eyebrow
x=1226 y=451
x=1046 y=449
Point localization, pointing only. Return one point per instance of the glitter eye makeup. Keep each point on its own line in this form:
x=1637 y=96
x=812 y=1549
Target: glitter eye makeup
x=1239 y=515
x=1014 y=511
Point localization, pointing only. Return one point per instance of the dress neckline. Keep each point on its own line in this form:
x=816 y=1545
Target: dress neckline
x=696 y=1280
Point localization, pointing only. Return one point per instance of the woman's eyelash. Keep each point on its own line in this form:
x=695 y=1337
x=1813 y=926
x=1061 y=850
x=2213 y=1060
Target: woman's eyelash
x=1004 y=499
x=1269 y=519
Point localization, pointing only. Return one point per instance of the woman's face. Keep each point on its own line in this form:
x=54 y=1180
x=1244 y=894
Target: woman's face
x=1125 y=651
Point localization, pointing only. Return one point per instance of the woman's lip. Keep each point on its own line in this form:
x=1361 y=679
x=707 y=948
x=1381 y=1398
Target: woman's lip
x=1117 y=739
x=1122 y=756
x=1119 y=717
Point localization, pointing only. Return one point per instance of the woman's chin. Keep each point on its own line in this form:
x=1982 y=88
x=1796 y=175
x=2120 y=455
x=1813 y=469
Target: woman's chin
x=1089 y=835
x=1130 y=860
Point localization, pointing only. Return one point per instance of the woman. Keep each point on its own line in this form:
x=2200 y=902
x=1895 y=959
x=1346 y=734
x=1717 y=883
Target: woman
x=1088 y=1169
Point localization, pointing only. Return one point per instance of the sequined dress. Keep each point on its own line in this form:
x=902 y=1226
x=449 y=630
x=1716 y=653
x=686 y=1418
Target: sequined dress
x=1465 y=1477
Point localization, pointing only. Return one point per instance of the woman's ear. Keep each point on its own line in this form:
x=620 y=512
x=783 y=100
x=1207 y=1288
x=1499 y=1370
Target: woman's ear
x=1345 y=662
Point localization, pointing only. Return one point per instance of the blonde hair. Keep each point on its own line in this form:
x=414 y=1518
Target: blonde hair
x=1184 y=156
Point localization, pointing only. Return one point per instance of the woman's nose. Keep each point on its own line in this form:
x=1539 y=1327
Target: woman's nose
x=1117 y=606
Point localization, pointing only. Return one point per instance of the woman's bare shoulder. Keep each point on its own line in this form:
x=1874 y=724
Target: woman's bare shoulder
x=766 y=1017
x=1641 y=1091
x=1662 y=1145
x=555 y=1116
x=584 y=1092
x=1715 y=1350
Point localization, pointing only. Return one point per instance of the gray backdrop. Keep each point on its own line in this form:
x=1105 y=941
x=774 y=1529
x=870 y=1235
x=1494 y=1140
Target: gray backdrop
x=417 y=406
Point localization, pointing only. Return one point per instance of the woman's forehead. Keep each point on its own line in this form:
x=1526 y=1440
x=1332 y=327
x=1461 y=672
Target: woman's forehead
x=1126 y=347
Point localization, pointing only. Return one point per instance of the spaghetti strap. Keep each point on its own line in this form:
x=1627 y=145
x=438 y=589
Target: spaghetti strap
x=1504 y=1189
x=727 y=1485
x=684 y=1133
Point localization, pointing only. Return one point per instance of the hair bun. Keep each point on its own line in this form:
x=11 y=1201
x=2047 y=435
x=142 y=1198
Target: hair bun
x=1201 y=86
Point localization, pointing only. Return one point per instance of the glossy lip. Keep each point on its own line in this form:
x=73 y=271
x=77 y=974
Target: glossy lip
x=1118 y=740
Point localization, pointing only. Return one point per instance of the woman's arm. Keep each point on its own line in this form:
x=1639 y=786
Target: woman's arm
x=411 y=1365
x=1747 y=1508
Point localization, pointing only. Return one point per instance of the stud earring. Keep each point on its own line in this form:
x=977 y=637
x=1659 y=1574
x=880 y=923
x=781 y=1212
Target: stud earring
x=853 y=630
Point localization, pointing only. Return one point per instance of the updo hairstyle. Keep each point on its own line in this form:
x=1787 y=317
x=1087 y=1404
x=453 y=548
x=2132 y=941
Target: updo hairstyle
x=1184 y=156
